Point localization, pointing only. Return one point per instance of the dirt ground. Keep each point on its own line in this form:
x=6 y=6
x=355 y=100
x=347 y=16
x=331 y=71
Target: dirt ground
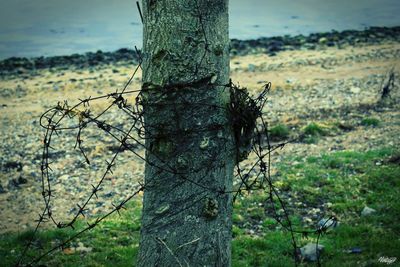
x=330 y=86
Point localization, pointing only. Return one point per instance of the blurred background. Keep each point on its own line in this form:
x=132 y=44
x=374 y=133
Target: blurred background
x=60 y=27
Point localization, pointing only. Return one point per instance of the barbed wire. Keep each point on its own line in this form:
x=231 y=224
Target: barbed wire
x=251 y=136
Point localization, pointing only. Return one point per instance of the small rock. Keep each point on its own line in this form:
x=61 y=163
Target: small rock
x=355 y=90
x=13 y=184
x=25 y=168
x=63 y=177
x=307 y=220
x=290 y=80
x=250 y=232
x=323 y=40
x=82 y=248
x=367 y=211
x=109 y=194
x=251 y=67
x=310 y=252
x=99 y=204
x=314 y=211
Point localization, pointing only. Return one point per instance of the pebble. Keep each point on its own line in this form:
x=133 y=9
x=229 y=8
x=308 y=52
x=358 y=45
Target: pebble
x=310 y=252
x=307 y=220
x=323 y=40
x=314 y=211
x=251 y=67
x=367 y=211
x=109 y=194
x=82 y=248
x=13 y=184
x=355 y=90
x=26 y=169
x=63 y=177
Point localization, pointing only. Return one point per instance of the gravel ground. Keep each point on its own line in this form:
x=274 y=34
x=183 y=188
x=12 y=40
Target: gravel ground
x=329 y=85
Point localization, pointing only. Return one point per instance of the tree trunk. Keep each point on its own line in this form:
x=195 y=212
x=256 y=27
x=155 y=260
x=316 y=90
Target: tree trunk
x=190 y=151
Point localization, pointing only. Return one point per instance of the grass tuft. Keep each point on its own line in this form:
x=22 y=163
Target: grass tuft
x=314 y=129
x=370 y=121
x=279 y=132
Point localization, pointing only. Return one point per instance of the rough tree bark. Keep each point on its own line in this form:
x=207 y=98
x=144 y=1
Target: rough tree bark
x=190 y=151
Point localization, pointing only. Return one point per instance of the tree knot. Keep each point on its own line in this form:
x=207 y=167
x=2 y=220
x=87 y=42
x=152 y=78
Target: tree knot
x=210 y=208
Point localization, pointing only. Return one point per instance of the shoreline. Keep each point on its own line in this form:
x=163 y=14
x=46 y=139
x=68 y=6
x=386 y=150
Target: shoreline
x=265 y=45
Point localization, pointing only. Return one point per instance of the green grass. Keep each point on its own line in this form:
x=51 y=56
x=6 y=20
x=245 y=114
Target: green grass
x=374 y=122
x=313 y=131
x=114 y=242
x=348 y=180
x=279 y=132
x=351 y=180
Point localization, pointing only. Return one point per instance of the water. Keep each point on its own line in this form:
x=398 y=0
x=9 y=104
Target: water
x=61 y=27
